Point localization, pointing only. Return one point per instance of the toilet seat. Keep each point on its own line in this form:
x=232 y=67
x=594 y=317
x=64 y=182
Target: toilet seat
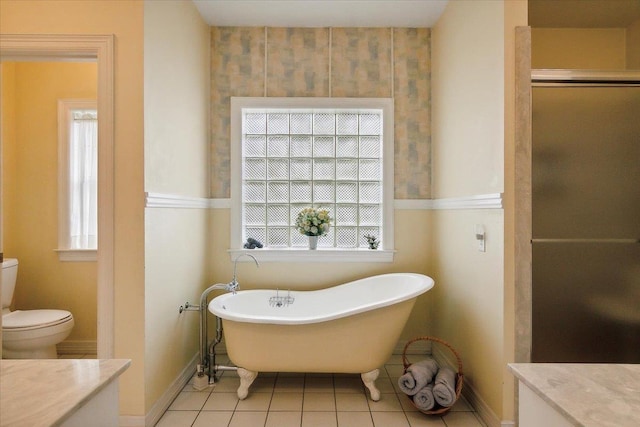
x=25 y=320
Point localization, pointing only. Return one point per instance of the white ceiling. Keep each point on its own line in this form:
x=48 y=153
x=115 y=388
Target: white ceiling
x=321 y=13
x=404 y=13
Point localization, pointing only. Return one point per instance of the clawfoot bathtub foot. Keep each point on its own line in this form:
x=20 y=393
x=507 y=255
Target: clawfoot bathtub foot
x=369 y=378
x=246 y=379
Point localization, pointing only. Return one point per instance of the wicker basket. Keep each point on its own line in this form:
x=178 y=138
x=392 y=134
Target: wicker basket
x=437 y=410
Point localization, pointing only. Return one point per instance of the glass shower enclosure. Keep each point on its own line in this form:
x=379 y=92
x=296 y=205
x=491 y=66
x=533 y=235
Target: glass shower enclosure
x=586 y=220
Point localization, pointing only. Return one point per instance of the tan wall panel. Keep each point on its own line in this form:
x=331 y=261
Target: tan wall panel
x=579 y=48
x=633 y=46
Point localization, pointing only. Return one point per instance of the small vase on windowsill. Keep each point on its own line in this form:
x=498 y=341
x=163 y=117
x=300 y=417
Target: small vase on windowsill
x=313 y=242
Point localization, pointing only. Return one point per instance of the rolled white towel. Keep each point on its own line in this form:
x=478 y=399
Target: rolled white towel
x=424 y=399
x=444 y=387
x=417 y=376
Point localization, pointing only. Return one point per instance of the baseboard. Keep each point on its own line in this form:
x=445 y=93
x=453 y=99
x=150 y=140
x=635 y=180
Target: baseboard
x=482 y=409
x=77 y=347
x=446 y=358
x=418 y=347
x=163 y=403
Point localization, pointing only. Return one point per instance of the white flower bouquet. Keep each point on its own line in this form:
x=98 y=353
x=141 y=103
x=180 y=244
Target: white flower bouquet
x=312 y=222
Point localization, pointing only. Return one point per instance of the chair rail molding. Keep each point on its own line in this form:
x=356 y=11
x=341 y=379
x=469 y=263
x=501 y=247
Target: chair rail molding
x=481 y=201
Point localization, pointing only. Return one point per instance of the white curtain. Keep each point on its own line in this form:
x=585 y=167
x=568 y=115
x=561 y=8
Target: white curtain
x=83 y=178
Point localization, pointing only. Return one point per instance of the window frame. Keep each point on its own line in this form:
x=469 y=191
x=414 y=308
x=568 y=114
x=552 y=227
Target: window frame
x=65 y=116
x=325 y=254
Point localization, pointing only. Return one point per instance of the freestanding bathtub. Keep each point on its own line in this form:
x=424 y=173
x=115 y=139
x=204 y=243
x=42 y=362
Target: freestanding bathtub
x=349 y=328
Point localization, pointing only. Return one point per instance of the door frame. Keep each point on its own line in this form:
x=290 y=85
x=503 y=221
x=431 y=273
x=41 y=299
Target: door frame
x=522 y=199
x=99 y=48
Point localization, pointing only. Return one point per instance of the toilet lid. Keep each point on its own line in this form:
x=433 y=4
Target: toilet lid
x=34 y=318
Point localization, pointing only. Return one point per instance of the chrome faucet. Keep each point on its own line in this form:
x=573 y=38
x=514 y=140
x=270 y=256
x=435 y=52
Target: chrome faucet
x=207 y=360
x=234 y=286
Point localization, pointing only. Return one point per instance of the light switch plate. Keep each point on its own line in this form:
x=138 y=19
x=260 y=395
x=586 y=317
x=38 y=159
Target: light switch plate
x=481 y=237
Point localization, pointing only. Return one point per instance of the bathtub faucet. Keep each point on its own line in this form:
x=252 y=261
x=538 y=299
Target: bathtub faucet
x=234 y=286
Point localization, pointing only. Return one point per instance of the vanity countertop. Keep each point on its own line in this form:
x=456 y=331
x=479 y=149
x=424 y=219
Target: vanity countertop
x=47 y=392
x=602 y=395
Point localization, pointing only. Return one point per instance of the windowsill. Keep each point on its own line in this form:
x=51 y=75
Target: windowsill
x=77 y=255
x=318 y=255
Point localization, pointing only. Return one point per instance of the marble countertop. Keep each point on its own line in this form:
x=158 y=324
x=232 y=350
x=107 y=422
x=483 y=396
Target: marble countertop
x=46 y=392
x=598 y=395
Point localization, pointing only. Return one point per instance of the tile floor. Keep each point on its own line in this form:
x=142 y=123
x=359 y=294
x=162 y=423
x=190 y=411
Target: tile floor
x=308 y=400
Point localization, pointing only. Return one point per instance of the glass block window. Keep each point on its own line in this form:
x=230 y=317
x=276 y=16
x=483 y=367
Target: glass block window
x=324 y=159
x=290 y=158
x=327 y=153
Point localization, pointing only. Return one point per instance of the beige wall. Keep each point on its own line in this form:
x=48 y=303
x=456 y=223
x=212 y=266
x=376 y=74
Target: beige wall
x=468 y=100
x=124 y=19
x=7 y=133
x=469 y=296
x=633 y=46
x=472 y=102
x=176 y=99
x=30 y=191
x=177 y=241
x=579 y=48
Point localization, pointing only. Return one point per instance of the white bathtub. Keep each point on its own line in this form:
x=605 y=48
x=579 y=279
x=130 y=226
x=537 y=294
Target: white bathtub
x=350 y=328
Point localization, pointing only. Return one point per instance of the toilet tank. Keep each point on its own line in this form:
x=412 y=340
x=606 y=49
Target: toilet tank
x=8 y=278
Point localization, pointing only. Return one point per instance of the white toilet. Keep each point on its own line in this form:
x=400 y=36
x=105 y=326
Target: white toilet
x=29 y=334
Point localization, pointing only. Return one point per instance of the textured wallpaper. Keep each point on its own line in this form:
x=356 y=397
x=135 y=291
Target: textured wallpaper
x=412 y=94
x=237 y=69
x=298 y=62
x=321 y=62
x=361 y=62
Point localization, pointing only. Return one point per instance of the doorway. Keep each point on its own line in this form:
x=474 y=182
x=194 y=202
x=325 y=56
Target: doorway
x=99 y=49
x=585 y=210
